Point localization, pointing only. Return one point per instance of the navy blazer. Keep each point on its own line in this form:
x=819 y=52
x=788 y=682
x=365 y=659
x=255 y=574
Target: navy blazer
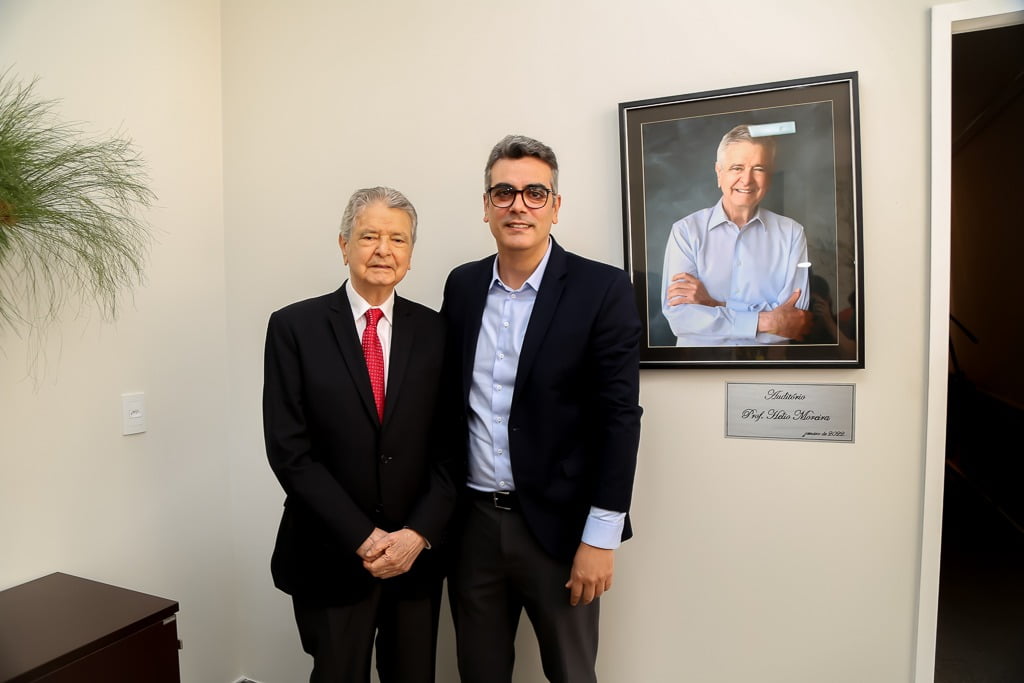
x=574 y=426
x=343 y=472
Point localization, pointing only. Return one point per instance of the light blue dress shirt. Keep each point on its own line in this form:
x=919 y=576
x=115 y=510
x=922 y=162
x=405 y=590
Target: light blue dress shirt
x=502 y=330
x=753 y=269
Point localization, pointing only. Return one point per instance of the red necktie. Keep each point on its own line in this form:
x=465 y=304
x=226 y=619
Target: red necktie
x=374 y=358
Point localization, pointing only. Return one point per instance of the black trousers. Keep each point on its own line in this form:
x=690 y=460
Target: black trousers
x=500 y=571
x=341 y=639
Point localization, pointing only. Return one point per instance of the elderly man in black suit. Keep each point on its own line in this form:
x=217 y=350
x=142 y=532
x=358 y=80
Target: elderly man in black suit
x=544 y=346
x=350 y=407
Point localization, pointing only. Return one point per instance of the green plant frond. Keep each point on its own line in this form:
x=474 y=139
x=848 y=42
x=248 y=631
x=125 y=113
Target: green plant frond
x=70 y=209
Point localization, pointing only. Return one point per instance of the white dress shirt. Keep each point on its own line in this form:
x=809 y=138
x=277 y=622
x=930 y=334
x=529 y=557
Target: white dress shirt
x=359 y=309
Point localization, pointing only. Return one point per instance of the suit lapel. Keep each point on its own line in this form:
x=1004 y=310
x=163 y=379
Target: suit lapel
x=340 y=315
x=477 y=300
x=551 y=288
x=402 y=334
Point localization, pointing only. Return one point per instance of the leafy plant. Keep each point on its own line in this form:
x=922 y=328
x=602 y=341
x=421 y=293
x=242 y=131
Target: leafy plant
x=69 y=211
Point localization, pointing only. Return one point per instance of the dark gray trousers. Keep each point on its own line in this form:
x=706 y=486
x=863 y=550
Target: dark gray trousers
x=341 y=639
x=500 y=571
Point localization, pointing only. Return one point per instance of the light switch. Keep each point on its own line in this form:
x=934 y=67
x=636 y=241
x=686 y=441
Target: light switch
x=133 y=413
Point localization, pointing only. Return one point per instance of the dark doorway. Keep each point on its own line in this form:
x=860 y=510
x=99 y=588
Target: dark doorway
x=980 y=635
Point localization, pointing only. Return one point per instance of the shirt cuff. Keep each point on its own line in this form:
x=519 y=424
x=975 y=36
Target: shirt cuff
x=604 y=528
x=745 y=326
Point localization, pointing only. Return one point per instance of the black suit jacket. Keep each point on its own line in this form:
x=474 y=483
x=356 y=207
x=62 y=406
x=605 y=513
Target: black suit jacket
x=574 y=427
x=343 y=471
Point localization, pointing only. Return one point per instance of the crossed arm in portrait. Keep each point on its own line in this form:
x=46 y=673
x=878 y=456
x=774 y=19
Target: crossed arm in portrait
x=726 y=286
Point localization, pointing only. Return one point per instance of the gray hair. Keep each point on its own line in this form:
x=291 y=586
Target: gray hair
x=389 y=197
x=517 y=147
x=742 y=134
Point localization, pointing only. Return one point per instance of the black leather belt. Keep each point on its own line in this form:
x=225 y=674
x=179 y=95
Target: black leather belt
x=502 y=500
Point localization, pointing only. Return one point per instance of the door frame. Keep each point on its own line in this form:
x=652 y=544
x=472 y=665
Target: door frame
x=947 y=20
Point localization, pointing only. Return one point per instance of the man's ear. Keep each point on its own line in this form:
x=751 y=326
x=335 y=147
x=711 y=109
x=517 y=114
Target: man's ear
x=344 y=248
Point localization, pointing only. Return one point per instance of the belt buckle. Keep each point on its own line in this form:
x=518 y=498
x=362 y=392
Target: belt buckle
x=496 y=496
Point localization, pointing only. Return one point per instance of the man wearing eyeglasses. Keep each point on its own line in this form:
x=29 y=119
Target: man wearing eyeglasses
x=544 y=346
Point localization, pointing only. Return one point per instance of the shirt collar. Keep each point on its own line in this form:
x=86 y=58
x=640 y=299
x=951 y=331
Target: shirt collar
x=718 y=218
x=535 y=277
x=360 y=306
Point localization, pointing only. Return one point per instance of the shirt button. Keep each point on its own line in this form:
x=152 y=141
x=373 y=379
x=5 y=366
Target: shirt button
x=501 y=356
x=504 y=324
x=497 y=387
x=497 y=419
x=513 y=296
x=500 y=451
x=502 y=484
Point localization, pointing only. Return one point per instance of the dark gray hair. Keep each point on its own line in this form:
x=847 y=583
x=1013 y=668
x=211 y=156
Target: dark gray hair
x=389 y=197
x=742 y=134
x=517 y=147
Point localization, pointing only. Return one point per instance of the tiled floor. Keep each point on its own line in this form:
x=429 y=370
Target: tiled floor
x=981 y=589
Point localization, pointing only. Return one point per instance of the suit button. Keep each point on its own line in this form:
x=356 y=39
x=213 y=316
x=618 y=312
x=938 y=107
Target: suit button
x=385 y=459
x=378 y=508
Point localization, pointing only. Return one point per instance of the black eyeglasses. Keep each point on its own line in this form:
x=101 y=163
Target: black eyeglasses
x=503 y=196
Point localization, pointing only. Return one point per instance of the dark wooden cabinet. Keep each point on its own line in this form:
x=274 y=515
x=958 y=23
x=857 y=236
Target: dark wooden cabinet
x=65 y=629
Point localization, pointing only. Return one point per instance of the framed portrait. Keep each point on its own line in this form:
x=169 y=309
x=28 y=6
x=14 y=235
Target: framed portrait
x=742 y=225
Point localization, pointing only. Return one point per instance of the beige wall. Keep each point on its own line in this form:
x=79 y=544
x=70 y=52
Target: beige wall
x=752 y=561
x=150 y=512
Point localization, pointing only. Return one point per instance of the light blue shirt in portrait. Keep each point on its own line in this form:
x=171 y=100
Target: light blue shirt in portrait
x=752 y=269
x=502 y=330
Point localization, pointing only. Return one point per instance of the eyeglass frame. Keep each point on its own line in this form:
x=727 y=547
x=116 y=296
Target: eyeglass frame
x=531 y=186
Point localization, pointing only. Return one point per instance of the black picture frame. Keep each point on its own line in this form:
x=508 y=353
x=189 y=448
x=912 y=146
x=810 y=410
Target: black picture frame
x=668 y=148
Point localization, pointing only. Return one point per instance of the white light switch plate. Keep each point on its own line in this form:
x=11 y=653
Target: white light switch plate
x=133 y=413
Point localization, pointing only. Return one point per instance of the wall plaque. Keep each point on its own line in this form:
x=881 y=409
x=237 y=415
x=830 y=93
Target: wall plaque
x=798 y=412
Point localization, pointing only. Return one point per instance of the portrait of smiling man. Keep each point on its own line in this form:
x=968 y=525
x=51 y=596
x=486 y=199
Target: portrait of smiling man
x=351 y=412
x=736 y=274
